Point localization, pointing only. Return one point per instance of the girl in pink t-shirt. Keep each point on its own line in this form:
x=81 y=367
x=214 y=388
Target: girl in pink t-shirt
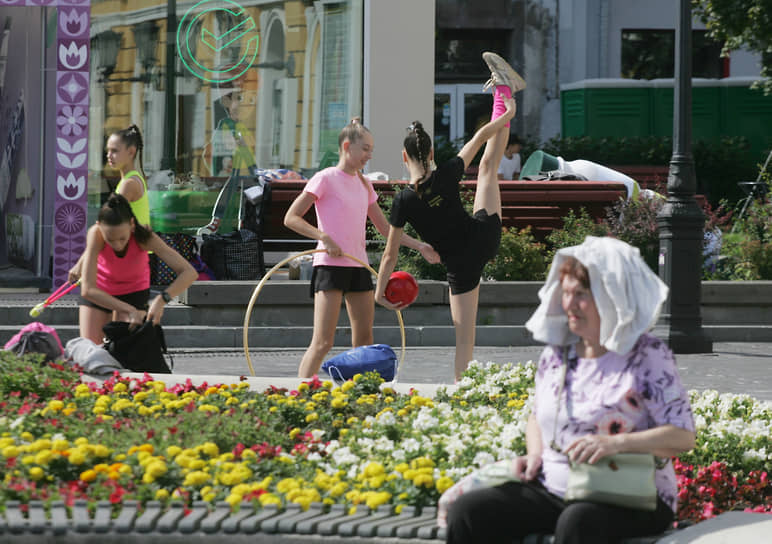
x=116 y=276
x=343 y=200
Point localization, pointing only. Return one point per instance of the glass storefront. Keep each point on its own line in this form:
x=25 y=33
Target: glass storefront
x=257 y=85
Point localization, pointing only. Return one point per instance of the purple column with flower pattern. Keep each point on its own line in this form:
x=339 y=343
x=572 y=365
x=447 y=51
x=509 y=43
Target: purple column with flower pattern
x=72 y=83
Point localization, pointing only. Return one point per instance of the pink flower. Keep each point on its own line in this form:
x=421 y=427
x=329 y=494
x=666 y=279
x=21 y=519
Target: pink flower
x=72 y=120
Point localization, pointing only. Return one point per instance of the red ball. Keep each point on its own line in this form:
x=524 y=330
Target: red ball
x=402 y=288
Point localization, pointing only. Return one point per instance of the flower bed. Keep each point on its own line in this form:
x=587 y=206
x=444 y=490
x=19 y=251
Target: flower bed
x=362 y=444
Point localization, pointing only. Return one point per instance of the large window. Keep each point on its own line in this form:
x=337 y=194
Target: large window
x=458 y=53
x=650 y=54
x=284 y=112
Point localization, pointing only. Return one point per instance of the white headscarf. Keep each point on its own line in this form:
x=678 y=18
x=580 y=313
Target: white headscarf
x=629 y=296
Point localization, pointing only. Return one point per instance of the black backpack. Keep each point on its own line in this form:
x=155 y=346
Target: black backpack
x=141 y=350
x=37 y=342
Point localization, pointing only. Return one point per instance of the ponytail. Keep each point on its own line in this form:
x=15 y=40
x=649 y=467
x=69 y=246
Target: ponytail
x=418 y=146
x=353 y=132
x=131 y=136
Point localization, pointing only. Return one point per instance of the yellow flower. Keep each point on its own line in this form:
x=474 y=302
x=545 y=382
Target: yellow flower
x=120 y=387
x=161 y=495
x=210 y=449
x=233 y=499
x=36 y=473
x=208 y=408
x=286 y=485
x=43 y=457
x=269 y=498
x=373 y=469
x=310 y=418
x=195 y=478
x=338 y=403
x=156 y=468
x=352 y=420
x=375 y=499
x=303 y=387
x=76 y=457
x=444 y=483
x=294 y=432
x=11 y=451
x=55 y=405
x=423 y=480
x=347 y=386
x=88 y=475
x=173 y=451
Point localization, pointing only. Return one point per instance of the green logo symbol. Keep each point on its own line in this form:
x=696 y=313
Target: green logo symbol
x=240 y=36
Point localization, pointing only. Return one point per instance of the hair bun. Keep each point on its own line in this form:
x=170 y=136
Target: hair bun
x=356 y=120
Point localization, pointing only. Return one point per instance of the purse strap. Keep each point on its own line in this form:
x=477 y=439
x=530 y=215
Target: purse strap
x=564 y=365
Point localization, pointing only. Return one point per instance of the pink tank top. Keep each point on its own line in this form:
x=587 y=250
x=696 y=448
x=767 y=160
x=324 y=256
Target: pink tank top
x=123 y=275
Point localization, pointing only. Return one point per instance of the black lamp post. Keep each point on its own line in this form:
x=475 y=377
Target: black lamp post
x=681 y=221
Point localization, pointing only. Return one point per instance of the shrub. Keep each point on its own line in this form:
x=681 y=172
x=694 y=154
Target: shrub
x=635 y=222
x=575 y=229
x=520 y=258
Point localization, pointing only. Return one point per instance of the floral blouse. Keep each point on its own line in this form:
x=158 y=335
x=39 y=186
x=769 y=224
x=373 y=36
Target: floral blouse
x=608 y=395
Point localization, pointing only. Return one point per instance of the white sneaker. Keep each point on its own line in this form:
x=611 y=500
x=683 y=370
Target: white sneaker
x=209 y=229
x=502 y=73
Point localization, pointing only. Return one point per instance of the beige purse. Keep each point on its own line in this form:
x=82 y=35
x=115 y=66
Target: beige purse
x=624 y=479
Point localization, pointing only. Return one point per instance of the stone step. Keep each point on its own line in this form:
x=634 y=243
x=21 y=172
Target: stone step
x=178 y=337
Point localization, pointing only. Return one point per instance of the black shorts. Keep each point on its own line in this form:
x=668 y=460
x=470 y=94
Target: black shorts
x=138 y=299
x=341 y=278
x=481 y=245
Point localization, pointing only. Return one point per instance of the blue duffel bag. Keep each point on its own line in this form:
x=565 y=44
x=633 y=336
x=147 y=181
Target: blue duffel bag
x=376 y=357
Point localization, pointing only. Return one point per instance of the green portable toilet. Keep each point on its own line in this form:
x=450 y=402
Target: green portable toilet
x=706 y=108
x=606 y=108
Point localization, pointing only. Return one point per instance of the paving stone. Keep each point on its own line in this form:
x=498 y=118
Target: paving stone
x=367 y=527
x=103 y=517
x=14 y=517
x=125 y=520
x=36 y=517
x=309 y=526
x=428 y=517
x=288 y=525
x=211 y=523
x=59 y=520
x=231 y=524
x=190 y=523
x=389 y=528
x=145 y=523
x=330 y=527
x=81 y=522
x=271 y=525
x=252 y=524
x=168 y=522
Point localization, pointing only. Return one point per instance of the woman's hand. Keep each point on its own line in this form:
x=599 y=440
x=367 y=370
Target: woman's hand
x=592 y=447
x=136 y=318
x=75 y=272
x=156 y=310
x=333 y=249
x=383 y=301
x=526 y=467
x=429 y=253
x=511 y=106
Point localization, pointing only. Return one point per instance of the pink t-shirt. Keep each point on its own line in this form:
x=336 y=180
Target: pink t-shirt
x=341 y=212
x=123 y=275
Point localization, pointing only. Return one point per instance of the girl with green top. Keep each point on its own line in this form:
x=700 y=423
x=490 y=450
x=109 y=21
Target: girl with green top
x=123 y=147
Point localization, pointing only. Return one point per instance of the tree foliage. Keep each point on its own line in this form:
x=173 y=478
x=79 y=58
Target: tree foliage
x=741 y=23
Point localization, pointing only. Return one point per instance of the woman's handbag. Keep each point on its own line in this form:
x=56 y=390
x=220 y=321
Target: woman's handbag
x=624 y=479
x=141 y=349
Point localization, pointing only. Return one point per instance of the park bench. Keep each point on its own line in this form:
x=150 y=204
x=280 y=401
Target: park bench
x=540 y=204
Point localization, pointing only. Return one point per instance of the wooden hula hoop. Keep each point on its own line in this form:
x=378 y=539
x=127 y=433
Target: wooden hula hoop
x=265 y=278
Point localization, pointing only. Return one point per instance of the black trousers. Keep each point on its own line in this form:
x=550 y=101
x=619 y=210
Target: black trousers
x=511 y=511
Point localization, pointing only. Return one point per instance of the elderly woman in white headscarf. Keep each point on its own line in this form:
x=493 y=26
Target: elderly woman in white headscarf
x=620 y=393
